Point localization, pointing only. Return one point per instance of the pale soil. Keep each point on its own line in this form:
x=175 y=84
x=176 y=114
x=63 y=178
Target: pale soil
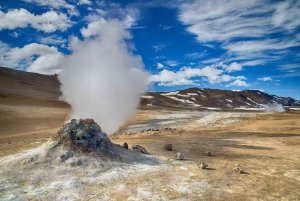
x=267 y=146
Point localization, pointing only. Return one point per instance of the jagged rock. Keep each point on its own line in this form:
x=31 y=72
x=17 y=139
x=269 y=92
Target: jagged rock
x=202 y=165
x=179 y=156
x=84 y=135
x=207 y=153
x=239 y=169
x=139 y=148
x=125 y=145
x=168 y=147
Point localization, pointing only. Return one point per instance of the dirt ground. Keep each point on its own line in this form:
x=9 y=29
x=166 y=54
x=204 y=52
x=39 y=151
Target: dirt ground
x=266 y=146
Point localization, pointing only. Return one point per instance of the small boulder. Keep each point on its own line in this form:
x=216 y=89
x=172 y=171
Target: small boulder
x=179 y=156
x=168 y=147
x=139 y=148
x=207 y=153
x=125 y=145
x=239 y=169
x=202 y=165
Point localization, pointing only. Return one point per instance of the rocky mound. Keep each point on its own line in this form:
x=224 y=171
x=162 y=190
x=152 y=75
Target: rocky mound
x=84 y=135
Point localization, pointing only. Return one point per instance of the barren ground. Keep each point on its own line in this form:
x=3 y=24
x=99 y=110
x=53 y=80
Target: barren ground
x=267 y=146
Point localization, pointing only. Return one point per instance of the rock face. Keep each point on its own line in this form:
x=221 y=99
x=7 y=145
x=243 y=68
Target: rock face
x=84 y=135
x=139 y=149
x=179 y=156
x=202 y=165
x=168 y=147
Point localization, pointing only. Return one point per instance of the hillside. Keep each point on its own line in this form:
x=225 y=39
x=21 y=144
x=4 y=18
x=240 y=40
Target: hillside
x=201 y=98
x=29 y=105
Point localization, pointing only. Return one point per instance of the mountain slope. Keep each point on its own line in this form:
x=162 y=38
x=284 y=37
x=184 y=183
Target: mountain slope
x=195 y=97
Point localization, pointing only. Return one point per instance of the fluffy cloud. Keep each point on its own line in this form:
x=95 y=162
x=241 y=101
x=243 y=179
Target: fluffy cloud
x=159 y=65
x=238 y=83
x=233 y=67
x=186 y=76
x=265 y=79
x=47 y=22
x=33 y=57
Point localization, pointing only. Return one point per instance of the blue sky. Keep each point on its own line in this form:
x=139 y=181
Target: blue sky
x=224 y=44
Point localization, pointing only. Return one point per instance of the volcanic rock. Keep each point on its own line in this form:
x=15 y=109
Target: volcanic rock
x=202 y=165
x=168 y=147
x=239 y=169
x=139 y=149
x=84 y=135
x=179 y=156
x=207 y=153
x=125 y=145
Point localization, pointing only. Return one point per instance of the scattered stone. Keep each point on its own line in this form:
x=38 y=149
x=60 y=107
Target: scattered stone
x=239 y=169
x=139 y=149
x=202 y=165
x=179 y=156
x=168 y=147
x=125 y=145
x=207 y=153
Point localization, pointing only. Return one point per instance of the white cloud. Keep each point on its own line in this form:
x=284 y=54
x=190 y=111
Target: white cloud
x=260 y=46
x=33 y=57
x=238 y=82
x=14 y=34
x=54 y=40
x=159 y=47
x=159 y=65
x=172 y=63
x=244 y=27
x=233 y=67
x=287 y=15
x=220 y=21
x=254 y=62
x=57 y=4
x=165 y=27
x=187 y=76
x=87 y=2
x=195 y=55
x=265 y=79
x=47 y=22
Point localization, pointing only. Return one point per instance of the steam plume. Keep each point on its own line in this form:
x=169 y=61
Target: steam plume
x=102 y=79
x=273 y=107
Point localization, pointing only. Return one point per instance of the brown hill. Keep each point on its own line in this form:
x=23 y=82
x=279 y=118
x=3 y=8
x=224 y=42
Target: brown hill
x=29 y=105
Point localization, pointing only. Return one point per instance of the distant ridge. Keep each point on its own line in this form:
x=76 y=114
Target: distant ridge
x=203 y=97
x=34 y=85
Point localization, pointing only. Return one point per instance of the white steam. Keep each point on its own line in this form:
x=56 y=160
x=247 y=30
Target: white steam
x=273 y=107
x=102 y=79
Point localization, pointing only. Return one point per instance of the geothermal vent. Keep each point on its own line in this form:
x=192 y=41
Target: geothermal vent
x=79 y=157
x=83 y=135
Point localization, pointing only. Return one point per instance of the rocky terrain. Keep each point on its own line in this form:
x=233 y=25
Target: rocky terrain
x=40 y=159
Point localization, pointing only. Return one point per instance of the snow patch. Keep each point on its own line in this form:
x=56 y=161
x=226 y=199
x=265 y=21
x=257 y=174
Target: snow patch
x=150 y=97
